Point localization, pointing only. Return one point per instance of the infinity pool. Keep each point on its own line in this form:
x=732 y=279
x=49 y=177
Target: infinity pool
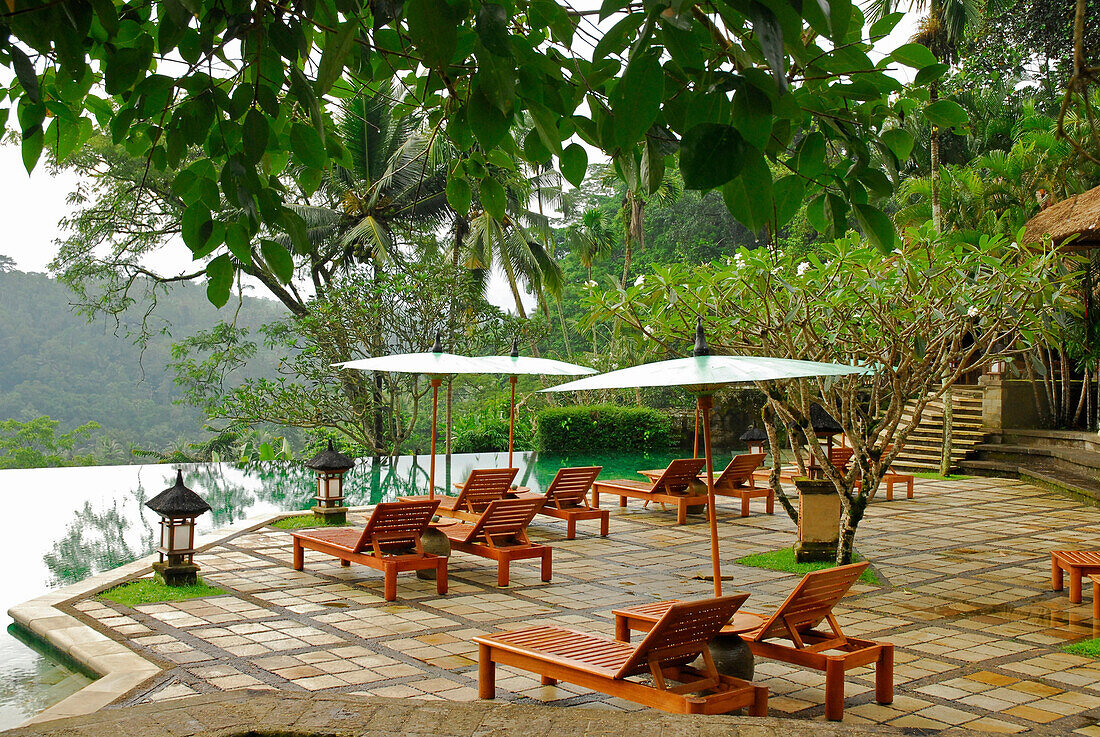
x=64 y=524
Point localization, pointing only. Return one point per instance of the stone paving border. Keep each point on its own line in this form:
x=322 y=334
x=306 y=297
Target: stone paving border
x=52 y=619
x=290 y=714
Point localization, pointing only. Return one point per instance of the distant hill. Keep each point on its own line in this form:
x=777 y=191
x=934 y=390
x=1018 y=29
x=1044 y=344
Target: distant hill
x=53 y=362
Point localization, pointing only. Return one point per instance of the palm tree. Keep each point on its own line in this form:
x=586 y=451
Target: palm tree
x=590 y=238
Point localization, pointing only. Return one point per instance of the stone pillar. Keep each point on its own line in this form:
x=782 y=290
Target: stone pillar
x=818 y=520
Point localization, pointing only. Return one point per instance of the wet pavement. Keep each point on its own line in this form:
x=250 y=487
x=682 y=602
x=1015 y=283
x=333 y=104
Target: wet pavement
x=965 y=599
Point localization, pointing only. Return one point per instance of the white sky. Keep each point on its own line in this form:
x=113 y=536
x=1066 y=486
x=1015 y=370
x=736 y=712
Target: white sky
x=31 y=206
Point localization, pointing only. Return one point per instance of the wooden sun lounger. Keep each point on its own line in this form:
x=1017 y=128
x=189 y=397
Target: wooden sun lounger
x=736 y=480
x=482 y=486
x=603 y=664
x=891 y=479
x=567 y=499
x=678 y=484
x=500 y=533
x=389 y=543
x=810 y=604
x=1077 y=563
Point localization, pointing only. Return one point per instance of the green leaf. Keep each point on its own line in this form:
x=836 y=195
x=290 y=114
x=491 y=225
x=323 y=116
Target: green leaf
x=486 y=120
x=788 y=194
x=196 y=228
x=335 y=56
x=32 y=147
x=711 y=155
x=914 y=55
x=749 y=196
x=946 y=114
x=876 y=226
x=279 y=259
x=295 y=227
x=459 y=194
x=769 y=34
x=219 y=284
x=899 y=141
x=492 y=198
x=930 y=74
x=24 y=71
x=307 y=146
x=256 y=132
x=433 y=27
x=752 y=115
x=574 y=163
x=885 y=24
x=637 y=97
x=239 y=241
x=492 y=28
x=810 y=158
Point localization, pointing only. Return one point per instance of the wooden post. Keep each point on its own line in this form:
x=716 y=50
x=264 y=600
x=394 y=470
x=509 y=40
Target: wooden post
x=511 y=420
x=695 y=446
x=703 y=404
x=436 y=381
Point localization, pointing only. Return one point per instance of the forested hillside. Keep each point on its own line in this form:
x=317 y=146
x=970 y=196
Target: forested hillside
x=55 y=363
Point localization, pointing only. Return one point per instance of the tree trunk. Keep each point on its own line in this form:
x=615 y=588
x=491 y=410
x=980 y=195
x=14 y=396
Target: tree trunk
x=934 y=148
x=850 y=518
x=777 y=462
x=948 y=421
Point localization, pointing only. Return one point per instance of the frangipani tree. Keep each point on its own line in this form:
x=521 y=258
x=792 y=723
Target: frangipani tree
x=919 y=315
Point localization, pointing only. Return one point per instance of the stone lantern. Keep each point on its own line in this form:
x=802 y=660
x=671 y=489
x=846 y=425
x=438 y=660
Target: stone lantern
x=330 y=466
x=178 y=508
x=824 y=427
x=755 y=438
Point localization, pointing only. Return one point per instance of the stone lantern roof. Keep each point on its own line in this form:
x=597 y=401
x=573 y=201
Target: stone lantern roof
x=178 y=501
x=330 y=459
x=754 y=435
x=822 y=422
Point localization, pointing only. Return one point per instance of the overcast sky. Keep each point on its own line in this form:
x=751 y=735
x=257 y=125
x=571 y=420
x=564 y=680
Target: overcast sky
x=32 y=206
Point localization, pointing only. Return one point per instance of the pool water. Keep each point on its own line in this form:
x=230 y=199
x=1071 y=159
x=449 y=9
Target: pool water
x=62 y=525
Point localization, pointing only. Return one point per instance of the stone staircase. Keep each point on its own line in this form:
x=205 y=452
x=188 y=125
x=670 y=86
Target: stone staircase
x=1064 y=459
x=924 y=447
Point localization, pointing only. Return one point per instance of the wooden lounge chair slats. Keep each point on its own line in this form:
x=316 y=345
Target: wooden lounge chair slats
x=567 y=499
x=482 y=486
x=500 y=533
x=604 y=664
x=737 y=480
x=678 y=484
x=390 y=542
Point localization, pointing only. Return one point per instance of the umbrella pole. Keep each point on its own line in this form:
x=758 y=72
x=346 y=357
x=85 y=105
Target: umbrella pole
x=703 y=405
x=436 y=381
x=695 y=447
x=511 y=419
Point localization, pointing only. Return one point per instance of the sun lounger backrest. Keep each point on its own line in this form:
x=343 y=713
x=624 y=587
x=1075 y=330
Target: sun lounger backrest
x=679 y=475
x=740 y=469
x=839 y=457
x=504 y=521
x=483 y=486
x=812 y=600
x=571 y=484
x=398 y=523
x=682 y=632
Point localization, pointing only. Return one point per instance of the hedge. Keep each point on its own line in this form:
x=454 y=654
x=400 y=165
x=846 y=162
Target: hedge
x=602 y=427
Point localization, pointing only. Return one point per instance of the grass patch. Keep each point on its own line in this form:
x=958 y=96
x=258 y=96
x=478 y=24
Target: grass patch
x=1086 y=648
x=938 y=477
x=151 y=591
x=302 y=521
x=783 y=560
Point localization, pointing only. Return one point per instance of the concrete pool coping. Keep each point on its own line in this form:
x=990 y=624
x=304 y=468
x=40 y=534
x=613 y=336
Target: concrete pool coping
x=119 y=669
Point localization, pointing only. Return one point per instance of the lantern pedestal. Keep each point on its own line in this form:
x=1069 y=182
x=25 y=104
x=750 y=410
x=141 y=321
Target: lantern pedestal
x=177 y=573
x=818 y=521
x=330 y=515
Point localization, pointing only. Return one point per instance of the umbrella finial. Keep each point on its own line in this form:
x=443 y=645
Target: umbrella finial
x=515 y=347
x=701 y=347
x=437 y=347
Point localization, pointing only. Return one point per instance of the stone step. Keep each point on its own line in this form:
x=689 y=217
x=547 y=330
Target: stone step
x=1053 y=459
x=1047 y=438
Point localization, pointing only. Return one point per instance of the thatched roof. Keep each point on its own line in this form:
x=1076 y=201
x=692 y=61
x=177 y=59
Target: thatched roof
x=178 y=501
x=1075 y=216
x=754 y=435
x=330 y=459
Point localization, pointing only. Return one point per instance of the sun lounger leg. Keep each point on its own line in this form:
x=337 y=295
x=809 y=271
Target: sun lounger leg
x=299 y=555
x=770 y=508
x=605 y=521
x=345 y=563
x=1075 y=585
x=681 y=513
x=486 y=673
x=1055 y=574
x=389 y=578
x=744 y=505
x=759 y=706
x=547 y=564
x=834 y=689
x=622 y=501
x=570 y=528
x=548 y=681
x=889 y=491
x=595 y=498
x=441 y=577
x=1095 y=600
x=884 y=675
x=622 y=629
x=502 y=572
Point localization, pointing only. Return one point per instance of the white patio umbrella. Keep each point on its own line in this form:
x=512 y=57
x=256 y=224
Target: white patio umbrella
x=514 y=364
x=703 y=374
x=435 y=364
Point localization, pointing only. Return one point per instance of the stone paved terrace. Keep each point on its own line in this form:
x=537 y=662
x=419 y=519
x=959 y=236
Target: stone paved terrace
x=965 y=599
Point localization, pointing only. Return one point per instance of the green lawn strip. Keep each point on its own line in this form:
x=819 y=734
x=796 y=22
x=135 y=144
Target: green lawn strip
x=1085 y=648
x=937 y=477
x=302 y=521
x=783 y=560
x=151 y=591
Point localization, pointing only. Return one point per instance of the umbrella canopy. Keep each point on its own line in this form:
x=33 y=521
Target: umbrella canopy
x=515 y=364
x=703 y=373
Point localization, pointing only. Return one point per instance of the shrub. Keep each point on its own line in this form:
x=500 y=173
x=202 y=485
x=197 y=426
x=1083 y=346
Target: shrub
x=602 y=427
x=484 y=429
